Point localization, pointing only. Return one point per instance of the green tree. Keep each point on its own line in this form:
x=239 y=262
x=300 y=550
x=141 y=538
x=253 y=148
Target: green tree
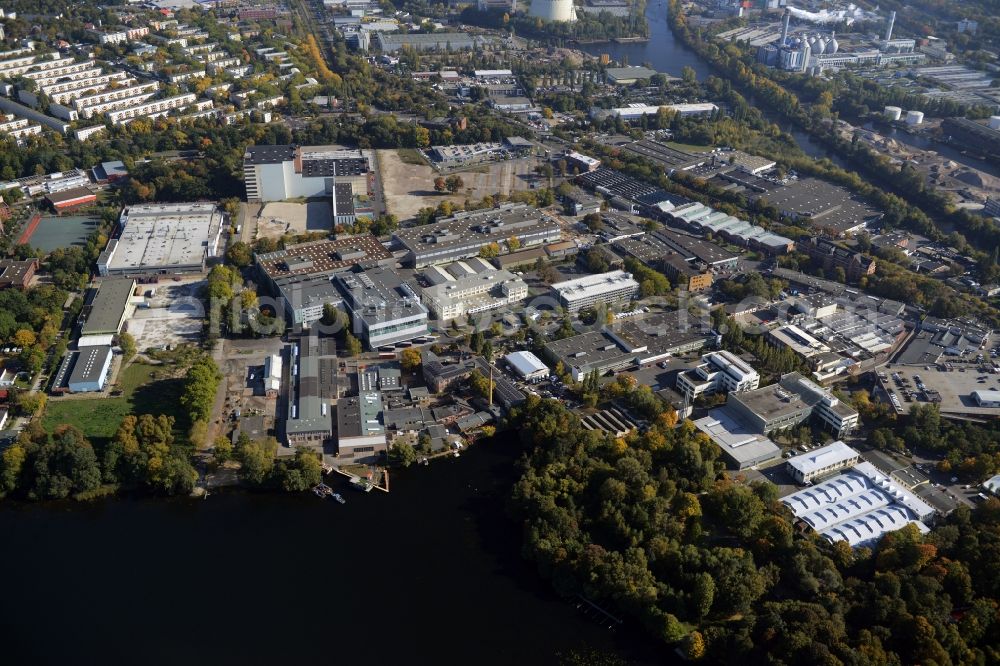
x=410 y=359
x=222 y=449
x=352 y=345
x=200 y=388
x=127 y=343
x=239 y=254
x=402 y=454
x=256 y=460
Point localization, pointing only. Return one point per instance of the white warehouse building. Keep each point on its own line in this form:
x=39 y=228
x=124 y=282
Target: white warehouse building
x=822 y=461
x=859 y=506
x=527 y=365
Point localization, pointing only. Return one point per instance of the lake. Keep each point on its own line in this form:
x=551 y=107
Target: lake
x=428 y=574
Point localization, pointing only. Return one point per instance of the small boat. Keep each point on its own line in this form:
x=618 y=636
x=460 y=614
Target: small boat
x=340 y=499
x=322 y=490
x=456 y=454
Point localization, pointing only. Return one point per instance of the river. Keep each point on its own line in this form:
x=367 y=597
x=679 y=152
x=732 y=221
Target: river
x=944 y=150
x=428 y=574
x=665 y=54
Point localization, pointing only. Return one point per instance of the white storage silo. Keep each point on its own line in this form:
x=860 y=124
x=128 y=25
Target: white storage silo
x=995 y=122
x=914 y=117
x=893 y=112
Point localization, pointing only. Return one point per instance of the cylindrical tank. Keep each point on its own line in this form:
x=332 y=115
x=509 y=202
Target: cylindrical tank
x=553 y=10
x=821 y=45
x=893 y=112
x=914 y=117
x=833 y=46
x=995 y=122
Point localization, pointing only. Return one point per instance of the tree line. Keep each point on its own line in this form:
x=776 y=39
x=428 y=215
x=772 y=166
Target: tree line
x=647 y=525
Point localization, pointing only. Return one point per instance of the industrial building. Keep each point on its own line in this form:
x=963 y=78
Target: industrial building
x=440 y=375
x=384 y=309
x=719 y=371
x=705 y=219
x=743 y=447
x=630 y=342
x=301 y=275
x=65 y=201
x=818 y=53
x=859 y=507
x=821 y=462
x=312 y=389
x=832 y=256
x=163 y=239
x=636 y=110
x=464 y=234
x=626 y=76
x=470 y=287
x=527 y=365
x=434 y=41
x=277 y=173
x=591 y=290
x=84 y=370
x=788 y=403
x=981 y=138
x=360 y=429
x=106 y=308
x=986 y=398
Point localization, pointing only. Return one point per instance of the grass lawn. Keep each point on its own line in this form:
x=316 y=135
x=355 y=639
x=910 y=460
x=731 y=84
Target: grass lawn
x=411 y=156
x=688 y=147
x=143 y=392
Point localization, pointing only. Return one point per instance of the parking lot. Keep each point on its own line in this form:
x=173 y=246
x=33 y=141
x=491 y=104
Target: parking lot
x=175 y=315
x=950 y=382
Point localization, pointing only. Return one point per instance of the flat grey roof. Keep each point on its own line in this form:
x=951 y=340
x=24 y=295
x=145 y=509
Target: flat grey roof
x=480 y=226
x=108 y=307
x=379 y=295
x=89 y=364
x=268 y=154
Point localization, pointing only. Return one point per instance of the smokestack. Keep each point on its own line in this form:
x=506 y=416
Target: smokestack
x=784 y=28
x=888 y=29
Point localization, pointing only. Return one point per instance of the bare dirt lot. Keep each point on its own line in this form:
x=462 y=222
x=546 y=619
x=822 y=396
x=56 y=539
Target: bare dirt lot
x=280 y=218
x=410 y=187
x=175 y=315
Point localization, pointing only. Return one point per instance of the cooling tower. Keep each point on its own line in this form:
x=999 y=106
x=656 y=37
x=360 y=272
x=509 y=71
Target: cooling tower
x=994 y=122
x=834 y=45
x=553 y=10
x=914 y=117
x=893 y=112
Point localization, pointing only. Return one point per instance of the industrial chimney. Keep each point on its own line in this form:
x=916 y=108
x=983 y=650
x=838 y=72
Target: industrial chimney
x=888 y=29
x=784 y=28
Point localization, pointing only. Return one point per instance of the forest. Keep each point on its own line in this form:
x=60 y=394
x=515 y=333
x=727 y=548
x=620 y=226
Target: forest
x=648 y=525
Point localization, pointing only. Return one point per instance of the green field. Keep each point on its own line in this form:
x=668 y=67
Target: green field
x=142 y=393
